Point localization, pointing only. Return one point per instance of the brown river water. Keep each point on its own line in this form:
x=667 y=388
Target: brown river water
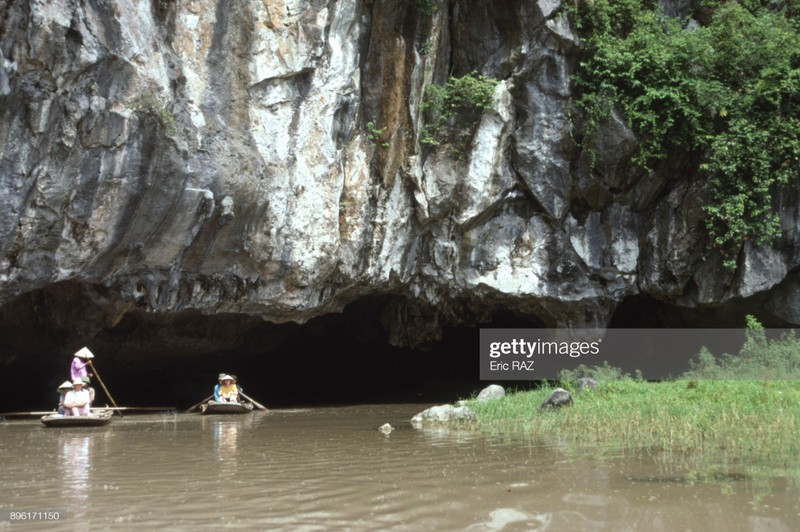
x=330 y=469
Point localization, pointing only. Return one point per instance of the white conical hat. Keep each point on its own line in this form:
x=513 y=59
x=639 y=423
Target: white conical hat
x=65 y=384
x=84 y=352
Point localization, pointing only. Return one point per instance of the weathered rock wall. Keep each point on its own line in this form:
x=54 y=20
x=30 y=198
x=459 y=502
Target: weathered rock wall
x=206 y=156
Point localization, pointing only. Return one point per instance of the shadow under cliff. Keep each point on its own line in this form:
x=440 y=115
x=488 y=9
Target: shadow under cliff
x=156 y=359
x=149 y=358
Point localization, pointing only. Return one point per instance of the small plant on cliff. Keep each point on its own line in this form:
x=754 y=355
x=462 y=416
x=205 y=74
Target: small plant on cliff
x=724 y=97
x=375 y=135
x=427 y=7
x=150 y=105
x=455 y=107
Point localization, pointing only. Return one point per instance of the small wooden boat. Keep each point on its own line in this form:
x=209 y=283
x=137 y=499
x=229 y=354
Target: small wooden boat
x=125 y=409
x=214 y=407
x=92 y=420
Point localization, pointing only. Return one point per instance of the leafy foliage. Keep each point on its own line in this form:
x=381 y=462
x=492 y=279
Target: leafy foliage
x=149 y=104
x=759 y=357
x=376 y=135
x=427 y=7
x=455 y=107
x=726 y=94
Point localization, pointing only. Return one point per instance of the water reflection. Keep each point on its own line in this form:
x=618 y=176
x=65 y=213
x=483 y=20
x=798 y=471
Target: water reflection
x=75 y=453
x=226 y=436
x=227 y=432
x=510 y=517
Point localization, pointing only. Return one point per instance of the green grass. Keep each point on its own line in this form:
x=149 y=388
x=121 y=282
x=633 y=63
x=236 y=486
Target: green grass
x=743 y=419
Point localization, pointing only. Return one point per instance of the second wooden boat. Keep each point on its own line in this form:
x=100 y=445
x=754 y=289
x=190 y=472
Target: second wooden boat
x=213 y=407
x=92 y=420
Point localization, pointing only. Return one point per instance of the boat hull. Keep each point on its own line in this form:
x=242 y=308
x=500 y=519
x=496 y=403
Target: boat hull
x=213 y=407
x=92 y=420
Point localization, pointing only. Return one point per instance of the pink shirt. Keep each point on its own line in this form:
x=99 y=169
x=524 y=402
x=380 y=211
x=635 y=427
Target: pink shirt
x=78 y=368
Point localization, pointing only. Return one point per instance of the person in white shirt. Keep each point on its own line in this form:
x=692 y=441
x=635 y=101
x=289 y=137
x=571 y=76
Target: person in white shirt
x=76 y=402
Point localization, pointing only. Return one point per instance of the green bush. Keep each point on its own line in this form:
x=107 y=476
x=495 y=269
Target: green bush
x=427 y=7
x=376 y=135
x=149 y=104
x=758 y=358
x=725 y=96
x=455 y=107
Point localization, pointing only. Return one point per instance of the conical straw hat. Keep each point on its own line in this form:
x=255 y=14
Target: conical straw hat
x=84 y=352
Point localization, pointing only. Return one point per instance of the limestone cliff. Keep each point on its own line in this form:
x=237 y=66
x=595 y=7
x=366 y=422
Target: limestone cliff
x=262 y=159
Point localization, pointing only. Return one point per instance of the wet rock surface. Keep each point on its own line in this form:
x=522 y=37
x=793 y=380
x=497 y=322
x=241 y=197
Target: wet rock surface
x=444 y=414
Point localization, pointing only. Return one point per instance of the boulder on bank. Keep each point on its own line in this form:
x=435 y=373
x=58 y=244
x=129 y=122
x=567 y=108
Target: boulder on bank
x=557 y=398
x=587 y=383
x=491 y=393
x=444 y=414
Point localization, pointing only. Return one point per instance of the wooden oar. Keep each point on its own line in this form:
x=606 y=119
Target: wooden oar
x=104 y=388
x=255 y=403
x=194 y=407
x=26 y=414
x=139 y=408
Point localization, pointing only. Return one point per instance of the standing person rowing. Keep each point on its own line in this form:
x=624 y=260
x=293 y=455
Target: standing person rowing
x=81 y=361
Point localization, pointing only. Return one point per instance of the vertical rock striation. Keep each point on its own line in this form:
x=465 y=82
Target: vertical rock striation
x=264 y=159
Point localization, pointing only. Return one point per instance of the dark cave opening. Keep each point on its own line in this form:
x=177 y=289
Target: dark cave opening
x=148 y=359
x=645 y=312
x=156 y=359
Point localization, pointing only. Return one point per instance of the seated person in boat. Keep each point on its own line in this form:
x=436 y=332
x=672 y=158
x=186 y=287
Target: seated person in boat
x=226 y=391
x=87 y=386
x=76 y=401
x=62 y=391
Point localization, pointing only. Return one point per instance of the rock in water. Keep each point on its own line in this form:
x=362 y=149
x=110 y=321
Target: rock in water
x=386 y=428
x=557 y=398
x=491 y=393
x=444 y=414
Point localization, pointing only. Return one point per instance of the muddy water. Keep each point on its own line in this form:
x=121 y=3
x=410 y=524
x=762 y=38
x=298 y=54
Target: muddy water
x=323 y=469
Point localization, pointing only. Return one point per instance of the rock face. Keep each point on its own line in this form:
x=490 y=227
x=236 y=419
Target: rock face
x=558 y=398
x=444 y=414
x=206 y=157
x=491 y=393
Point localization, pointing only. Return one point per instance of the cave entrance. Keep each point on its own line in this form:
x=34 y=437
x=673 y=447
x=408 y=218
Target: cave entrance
x=150 y=359
x=335 y=359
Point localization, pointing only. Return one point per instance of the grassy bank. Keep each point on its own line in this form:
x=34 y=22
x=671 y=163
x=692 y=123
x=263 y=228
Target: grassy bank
x=744 y=418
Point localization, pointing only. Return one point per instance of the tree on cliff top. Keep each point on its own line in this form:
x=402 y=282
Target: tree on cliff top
x=726 y=93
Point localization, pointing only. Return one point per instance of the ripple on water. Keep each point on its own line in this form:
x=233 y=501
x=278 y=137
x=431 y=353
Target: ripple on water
x=318 y=469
